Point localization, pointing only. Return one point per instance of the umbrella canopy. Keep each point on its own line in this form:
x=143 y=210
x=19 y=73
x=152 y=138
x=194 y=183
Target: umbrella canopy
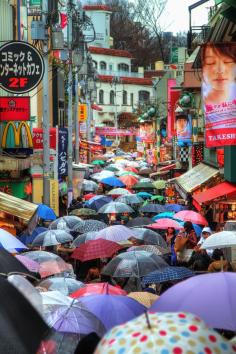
x=145 y=179
x=118 y=191
x=152 y=208
x=159 y=251
x=139 y=222
x=165 y=214
x=89 y=186
x=174 y=207
x=27 y=239
x=98 y=288
x=133 y=264
x=111 y=168
x=30 y=264
x=66 y=286
x=115 y=208
x=113 y=182
x=84 y=212
x=127 y=173
x=167 y=274
x=10 y=242
x=116 y=233
x=93 y=249
x=83 y=238
x=10 y=264
x=89 y=225
x=210 y=296
x=160 y=198
x=197 y=228
x=164 y=223
x=165 y=333
x=128 y=180
x=103 y=174
x=65 y=223
x=144 y=185
x=159 y=184
x=98 y=201
x=112 y=309
x=130 y=199
x=144 y=195
x=149 y=237
x=143 y=297
x=52 y=238
x=89 y=196
x=145 y=171
x=221 y=239
x=189 y=215
x=131 y=169
x=98 y=162
x=46 y=213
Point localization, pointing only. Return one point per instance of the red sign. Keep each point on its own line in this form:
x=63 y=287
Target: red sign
x=14 y=108
x=38 y=138
x=172 y=97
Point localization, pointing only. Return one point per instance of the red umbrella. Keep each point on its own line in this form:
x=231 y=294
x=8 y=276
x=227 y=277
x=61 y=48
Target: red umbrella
x=93 y=249
x=129 y=180
x=131 y=169
x=165 y=223
x=89 y=196
x=189 y=215
x=98 y=288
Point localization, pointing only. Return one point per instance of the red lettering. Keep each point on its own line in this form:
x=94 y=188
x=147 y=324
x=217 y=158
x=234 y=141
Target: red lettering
x=13 y=82
x=23 y=81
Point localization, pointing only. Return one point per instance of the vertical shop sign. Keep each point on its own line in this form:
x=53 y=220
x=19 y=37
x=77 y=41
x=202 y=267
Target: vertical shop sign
x=54 y=196
x=62 y=152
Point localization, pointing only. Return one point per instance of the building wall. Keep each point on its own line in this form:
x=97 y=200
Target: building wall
x=112 y=62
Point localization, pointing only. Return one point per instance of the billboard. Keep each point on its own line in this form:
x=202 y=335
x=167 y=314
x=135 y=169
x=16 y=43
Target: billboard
x=219 y=93
x=147 y=132
x=183 y=123
x=14 y=108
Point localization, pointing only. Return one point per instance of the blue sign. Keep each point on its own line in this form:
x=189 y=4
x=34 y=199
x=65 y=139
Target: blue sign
x=62 y=152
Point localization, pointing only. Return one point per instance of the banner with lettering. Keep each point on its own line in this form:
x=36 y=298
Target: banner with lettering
x=62 y=152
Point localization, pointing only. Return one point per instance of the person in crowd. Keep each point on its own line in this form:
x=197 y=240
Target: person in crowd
x=185 y=242
x=170 y=240
x=219 y=263
x=93 y=275
x=206 y=232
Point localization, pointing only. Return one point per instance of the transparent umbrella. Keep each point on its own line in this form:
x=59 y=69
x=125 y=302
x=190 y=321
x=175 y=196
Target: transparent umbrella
x=134 y=264
x=116 y=233
x=65 y=285
x=119 y=191
x=152 y=208
x=83 y=238
x=149 y=237
x=89 y=186
x=130 y=199
x=52 y=238
x=159 y=251
x=116 y=208
x=89 y=225
x=65 y=223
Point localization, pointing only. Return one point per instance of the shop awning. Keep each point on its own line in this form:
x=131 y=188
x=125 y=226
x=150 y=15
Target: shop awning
x=17 y=207
x=221 y=189
x=194 y=178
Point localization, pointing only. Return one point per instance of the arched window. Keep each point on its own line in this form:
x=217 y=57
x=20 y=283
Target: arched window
x=132 y=99
x=112 y=97
x=123 y=67
x=103 y=65
x=101 y=96
x=95 y=64
x=143 y=96
x=124 y=97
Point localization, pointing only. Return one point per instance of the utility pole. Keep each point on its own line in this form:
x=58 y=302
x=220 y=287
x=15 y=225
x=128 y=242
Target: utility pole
x=70 y=103
x=46 y=118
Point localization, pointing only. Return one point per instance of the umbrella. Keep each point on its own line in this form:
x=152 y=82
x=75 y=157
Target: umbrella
x=127 y=173
x=116 y=233
x=31 y=265
x=103 y=174
x=89 y=196
x=145 y=179
x=89 y=225
x=165 y=333
x=98 y=162
x=111 y=168
x=133 y=264
x=118 y=191
x=98 y=288
x=115 y=208
x=130 y=199
x=83 y=238
x=144 y=195
x=131 y=169
x=160 y=198
x=174 y=207
x=139 y=222
x=210 y=296
x=65 y=222
x=165 y=214
x=84 y=212
x=152 y=208
x=159 y=251
x=145 y=171
x=159 y=184
x=94 y=249
x=164 y=223
x=112 y=309
x=66 y=286
x=10 y=242
x=189 y=215
x=149 y=237
x=128 y=180
x=144 y=185
x=46 y=213
x=89 y=186
x=221 y=239
x=197 y=228
x=167 y=274
x=143 y=297
x=98 y=201
x=27 y=239
x=112 y=181
x=10 y=264
x=52 y=238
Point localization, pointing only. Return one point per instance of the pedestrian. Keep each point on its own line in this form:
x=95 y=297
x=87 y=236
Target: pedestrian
x=185 y=243
x=170 y=237
x=219 y=263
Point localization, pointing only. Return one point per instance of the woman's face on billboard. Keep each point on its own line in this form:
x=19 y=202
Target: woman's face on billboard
x=218 y=70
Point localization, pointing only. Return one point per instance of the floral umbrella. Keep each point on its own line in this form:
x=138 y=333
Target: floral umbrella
x=166 y=333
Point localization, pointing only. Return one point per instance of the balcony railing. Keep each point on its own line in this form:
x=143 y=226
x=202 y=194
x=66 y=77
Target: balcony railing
x=119 y=73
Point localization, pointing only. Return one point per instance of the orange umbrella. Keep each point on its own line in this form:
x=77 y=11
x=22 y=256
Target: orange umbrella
x=129 y=180
x=131 y=169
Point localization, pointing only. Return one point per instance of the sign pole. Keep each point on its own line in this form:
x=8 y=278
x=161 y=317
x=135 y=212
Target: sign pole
x=46 y=119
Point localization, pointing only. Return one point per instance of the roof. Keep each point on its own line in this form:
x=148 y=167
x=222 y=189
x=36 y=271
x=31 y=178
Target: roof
x=97 y=8
x=220 y=190
x=127 y=80
x=111 y=52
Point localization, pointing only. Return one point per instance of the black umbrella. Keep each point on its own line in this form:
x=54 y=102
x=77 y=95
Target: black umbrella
x=152 y=208
x=139 y=222
x=10 y=264
x=21 y=327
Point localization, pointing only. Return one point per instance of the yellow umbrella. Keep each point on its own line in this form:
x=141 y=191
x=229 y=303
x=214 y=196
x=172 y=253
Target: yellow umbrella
x=144 y=297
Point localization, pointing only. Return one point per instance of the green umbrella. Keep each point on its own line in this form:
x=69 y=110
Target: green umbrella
x=111 y=168
x=144 y=185
x=159 y=184
x=83 y=212
x=158 y=197
x=98 y=162
x=128 y=173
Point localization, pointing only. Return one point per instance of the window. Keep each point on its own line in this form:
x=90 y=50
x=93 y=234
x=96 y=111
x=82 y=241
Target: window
x=110 y=67
x=124 y=97
x=101 y=96
x=95 y=64
x=143 y=96
x=103 y=65
x=112 y=97
x=132 y=99
x=123 y=67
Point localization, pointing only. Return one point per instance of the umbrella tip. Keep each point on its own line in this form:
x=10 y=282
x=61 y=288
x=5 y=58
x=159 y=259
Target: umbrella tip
x=148 y=321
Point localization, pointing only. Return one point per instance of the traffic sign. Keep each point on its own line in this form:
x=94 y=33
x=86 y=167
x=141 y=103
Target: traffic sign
x=21 y=67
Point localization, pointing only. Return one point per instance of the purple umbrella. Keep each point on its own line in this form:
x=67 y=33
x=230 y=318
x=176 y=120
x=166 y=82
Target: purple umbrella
x=209 y=296
x=29 y=263
x=116 y=233
x=98 y=201
x=112 y=310
x=175 y=207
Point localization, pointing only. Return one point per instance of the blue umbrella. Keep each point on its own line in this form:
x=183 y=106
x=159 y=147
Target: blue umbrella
x=166 y=214
x=197 y=228
x=174 y=207
x=167 y=274
x=113 y=181
x=144 y=195
x=98 y=201
x=46 y=213
x=27 y=239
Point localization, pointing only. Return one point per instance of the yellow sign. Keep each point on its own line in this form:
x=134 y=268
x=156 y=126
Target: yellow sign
x=54 y=195
x=17 y=134
x=82 y=111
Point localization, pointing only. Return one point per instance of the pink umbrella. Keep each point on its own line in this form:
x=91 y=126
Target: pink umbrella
x=30 y=264
x=189 y=215
x=165 y=223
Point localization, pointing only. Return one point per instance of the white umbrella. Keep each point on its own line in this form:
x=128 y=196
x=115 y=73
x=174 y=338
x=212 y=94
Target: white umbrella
x=100 y=175
x=10 y=242
x=221 y=239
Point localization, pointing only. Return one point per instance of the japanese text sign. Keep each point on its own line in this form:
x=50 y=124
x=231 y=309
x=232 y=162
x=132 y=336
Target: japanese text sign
x=14 y=108
x=21 y=67
x=38 y=138
x=62 y=152
x=82 y=112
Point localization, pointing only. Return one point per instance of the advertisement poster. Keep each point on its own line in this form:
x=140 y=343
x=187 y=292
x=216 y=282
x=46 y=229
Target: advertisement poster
x=183 y=123
x=147 y=132
x=219 y=93
x=62 y=152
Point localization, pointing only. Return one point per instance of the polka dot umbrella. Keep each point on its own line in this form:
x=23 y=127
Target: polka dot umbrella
x=165 y=333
